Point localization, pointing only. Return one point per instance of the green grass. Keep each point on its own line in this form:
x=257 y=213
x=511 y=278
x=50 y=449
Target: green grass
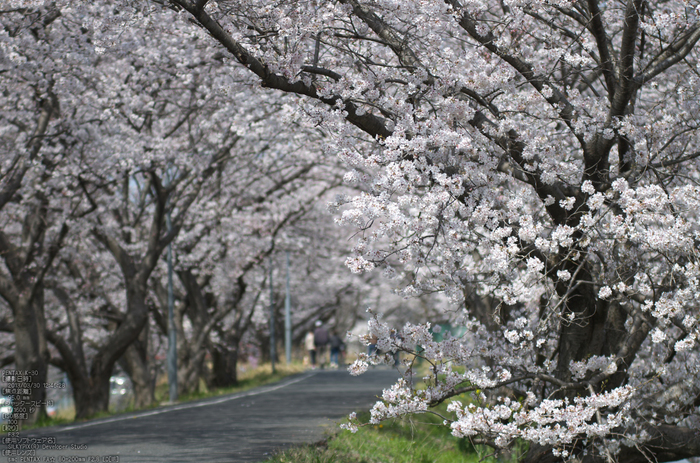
x=248 y=379
x=64 y=418
x=421 y=438
x=418 y=439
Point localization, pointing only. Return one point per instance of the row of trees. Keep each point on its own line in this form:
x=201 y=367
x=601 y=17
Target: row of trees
x=537 y=162
x=117 y=144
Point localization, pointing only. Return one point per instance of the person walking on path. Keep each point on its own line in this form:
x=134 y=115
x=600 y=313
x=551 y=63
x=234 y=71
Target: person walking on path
x=321 y=341
x=336 y=345
x=310 y=346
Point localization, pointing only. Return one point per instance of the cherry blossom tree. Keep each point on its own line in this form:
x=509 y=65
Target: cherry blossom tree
x=320 y=287
x=34 y=208
x=132 y=150
x=537 y=161
x=221 y=252
x=141 y=132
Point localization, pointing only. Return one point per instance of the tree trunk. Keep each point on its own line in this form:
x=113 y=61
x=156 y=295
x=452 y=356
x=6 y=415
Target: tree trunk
x=225 y=363
x=94 y=397
x=24 y=292
x=190 y=372
x=91 y=390
x=91 y=395
x=191 y=352
x=31 y=355
x=137 y=365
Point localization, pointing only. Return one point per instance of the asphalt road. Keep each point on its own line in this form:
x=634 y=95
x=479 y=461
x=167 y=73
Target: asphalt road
x=244 y=427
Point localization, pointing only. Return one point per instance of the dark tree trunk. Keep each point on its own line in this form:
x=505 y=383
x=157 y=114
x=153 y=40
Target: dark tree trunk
x=137 y=365
x=91 y=395
x=136 y=274
x=91 y=389
x=136 y=271
x=23 y=289
x=25 y=294
x=192 y=351
x=31 y=354
x=225 y=363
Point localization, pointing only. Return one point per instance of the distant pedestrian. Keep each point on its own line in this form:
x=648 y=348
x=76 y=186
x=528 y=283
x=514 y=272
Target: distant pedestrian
x=321 y=341
x=310 y=347
x=336 y=345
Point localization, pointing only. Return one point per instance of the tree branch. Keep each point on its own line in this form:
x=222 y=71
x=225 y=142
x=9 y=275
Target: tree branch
x=689 y=157
x=322 y=72
x=368 y=123
x=52 y=253
x=557 y=100
x=667 y=443
x=673 y=54
x=9 y=292
x=626 y=85
x=10 y=253
x=604 y=47
x=397 y=43
x=49 y=107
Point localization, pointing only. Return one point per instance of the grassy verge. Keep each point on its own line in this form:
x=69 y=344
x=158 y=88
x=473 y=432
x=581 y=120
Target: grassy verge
x=248 y=379
x=418 y=439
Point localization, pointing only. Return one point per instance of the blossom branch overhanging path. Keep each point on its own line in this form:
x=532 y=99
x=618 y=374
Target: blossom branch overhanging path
x=518 y=137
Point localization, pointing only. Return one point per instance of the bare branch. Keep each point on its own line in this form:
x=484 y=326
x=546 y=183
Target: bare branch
x=322 y=72
x=604 y=47
x=368 y=123
x=626 y=81
x=556 y=99
x=673 y=54
x=49 y=107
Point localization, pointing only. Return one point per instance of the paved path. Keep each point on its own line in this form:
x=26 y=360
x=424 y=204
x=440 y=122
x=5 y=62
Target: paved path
x=244 y=427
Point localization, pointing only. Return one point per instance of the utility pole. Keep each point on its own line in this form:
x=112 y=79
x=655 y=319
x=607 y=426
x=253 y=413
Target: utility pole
x=288 y=319
x=172 y=334
x=272 y=320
